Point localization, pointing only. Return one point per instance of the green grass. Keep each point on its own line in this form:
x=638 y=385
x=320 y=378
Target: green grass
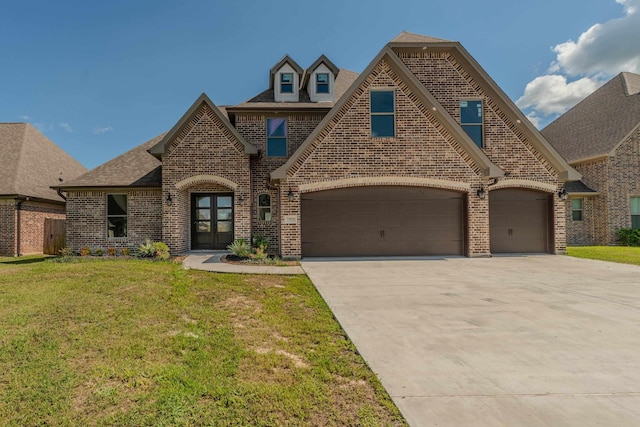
x=621 y=254
x=130 y=342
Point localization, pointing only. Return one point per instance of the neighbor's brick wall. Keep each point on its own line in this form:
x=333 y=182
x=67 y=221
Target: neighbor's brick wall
x=203 y=147
x=32 y=216
x=87 y=219
x=7 y=227
x=623 y=180
x=252 y=127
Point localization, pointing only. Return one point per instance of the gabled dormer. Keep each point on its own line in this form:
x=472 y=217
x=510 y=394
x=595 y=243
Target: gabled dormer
x=322 y=75
x=285 y=80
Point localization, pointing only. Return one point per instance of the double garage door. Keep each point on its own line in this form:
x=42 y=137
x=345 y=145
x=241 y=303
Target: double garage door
x=402 y=221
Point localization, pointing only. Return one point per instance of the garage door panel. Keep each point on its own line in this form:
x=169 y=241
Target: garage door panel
x=370 y=221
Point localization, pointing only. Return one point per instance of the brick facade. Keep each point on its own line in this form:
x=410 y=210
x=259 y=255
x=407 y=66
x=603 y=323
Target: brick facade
x=87 y=218
x=22 y=233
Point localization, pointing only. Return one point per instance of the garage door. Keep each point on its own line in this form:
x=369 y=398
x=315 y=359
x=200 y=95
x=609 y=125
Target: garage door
x=382 y=221
x=519 y=221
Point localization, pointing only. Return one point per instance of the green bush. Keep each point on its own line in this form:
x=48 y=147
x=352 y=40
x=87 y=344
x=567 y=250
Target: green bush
x=125 y=252
x=65 y=252
x=161 y=251
x=258 y=254
x=260 y=241
x=98 y=252
x=147 y=249
x=240 y=248
x=629 y=236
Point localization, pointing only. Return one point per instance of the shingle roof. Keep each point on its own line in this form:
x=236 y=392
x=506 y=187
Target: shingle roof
x=30 y=163
x=135 y=168
x=407 y=37
x=596 y=125
x=578 y=187
x=266 y=99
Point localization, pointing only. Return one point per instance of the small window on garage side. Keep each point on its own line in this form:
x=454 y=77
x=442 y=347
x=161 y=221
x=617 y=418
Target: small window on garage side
x=635 y=212
x=264 y=207
x=117 y=215
x=276 y=137
x=471 y=120
x=576 y=209
x=382 y=113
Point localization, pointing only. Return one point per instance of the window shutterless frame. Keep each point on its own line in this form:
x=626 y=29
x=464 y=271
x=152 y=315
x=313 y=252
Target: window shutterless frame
x=577 y=207
x=276 y=137
x=264 y=207
x=382 y=106
x=635 y=211
x=117 y=213
x=286 y=82
x=322 y=83
x=471 y=120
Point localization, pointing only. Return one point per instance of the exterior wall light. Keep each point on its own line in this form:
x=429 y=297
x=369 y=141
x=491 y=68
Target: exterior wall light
x=562 y=194
x=290 y=195
x=481 y=193
x=169 y=199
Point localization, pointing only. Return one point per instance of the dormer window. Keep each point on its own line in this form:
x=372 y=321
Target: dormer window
x=286 y=83
x=322 y=83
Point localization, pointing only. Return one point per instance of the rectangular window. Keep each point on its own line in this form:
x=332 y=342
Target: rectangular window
x=635 y=212
x=264 y=207
x=576 y=209
x=117 y=215
x=471 y=120
x=286 y=83
x=382 y=107
x=276 y=137
x=322 y=83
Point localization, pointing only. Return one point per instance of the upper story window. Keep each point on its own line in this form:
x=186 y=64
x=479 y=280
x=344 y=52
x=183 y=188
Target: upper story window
x=576 y=209
x=117 y=215
x=635 y=212
x=276 y=137
x=471 y=120
x=264 y=207
x=322 y=82
x=382 y=105
x=286 y=82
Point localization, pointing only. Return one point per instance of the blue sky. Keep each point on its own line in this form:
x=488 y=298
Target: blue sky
x=99 y=78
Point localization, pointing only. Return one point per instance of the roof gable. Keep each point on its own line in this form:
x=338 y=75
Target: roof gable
x=285 y=60
x=487 y=168
x=323 y=60
x=407 y=37
x=30 y=163
x=160 y=148
x=598 y=124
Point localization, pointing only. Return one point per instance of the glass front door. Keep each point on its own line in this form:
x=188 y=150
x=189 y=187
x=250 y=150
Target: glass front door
x=211 y=221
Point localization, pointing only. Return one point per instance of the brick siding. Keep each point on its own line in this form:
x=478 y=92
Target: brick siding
x=32 y=215
x=7 y=227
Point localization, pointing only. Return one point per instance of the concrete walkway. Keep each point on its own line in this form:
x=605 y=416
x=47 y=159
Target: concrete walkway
x=503 y=341
x=210 y=261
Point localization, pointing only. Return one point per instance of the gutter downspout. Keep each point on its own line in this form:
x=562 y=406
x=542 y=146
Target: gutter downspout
x=18 y=221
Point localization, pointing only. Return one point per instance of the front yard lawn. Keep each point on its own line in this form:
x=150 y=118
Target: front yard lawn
x=130 y=342
x=621 y=254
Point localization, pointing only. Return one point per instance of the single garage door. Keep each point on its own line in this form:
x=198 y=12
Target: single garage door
x=382 y=221
x=519 y=221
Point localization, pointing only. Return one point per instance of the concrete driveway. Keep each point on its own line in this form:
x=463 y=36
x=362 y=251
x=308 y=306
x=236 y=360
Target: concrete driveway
x=505 y=341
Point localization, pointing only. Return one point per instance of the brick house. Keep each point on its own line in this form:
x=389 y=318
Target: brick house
x=600 y=138
x=420 y=154
x=29 y=164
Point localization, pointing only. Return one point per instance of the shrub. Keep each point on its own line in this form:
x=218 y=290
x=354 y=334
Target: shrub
x=161 y=251
x=65 y=252
x=111 y=251
x=260 y=241
x=240 y=248
x=147 y=249
x=85 y=251
x=629 y=236
x=259 y=254
x=125 y=252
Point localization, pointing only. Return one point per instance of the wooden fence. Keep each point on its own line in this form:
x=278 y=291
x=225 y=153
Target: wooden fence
x=55 y=235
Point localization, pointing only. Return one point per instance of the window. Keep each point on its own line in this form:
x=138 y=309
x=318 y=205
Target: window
x=471 y=120
x=322 y=83
x=382 y=113
x=576 y=209
x=264 y=207
x=635 y=212
x=286 y=82
x=276 y=137
x=116 y=215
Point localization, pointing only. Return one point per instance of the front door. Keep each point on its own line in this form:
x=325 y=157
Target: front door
x=211 y=221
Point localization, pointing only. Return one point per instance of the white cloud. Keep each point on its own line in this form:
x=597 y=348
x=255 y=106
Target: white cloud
x=101 y=130
x=66 y=126
x=26 y=118
x=581 y=66
x=552 y=94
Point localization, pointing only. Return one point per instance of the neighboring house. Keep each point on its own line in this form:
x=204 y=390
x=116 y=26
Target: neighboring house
x=29 y=165
x=600 y=137
x=421 y=154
